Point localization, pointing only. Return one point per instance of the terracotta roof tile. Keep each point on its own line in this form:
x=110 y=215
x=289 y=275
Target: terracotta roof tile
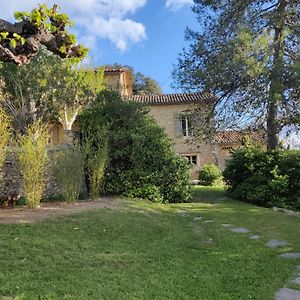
x=114 y=70
x=174 y=98
x=232 y=136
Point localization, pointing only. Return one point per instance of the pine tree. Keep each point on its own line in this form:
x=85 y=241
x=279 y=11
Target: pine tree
x=247 y=53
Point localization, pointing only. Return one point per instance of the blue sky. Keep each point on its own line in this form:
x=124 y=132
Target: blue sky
x=144 y=34
x=155 y=55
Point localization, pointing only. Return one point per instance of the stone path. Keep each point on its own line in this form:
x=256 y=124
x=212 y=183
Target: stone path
x=296 y=280
x=240 y=230
x=254 y=237
x=287 y=294
x=284 y=293
x=226 y=225
x=291 y=255
x=276 y=243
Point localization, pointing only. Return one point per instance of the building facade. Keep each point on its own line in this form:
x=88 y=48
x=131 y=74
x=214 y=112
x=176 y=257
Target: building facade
x=171 y=112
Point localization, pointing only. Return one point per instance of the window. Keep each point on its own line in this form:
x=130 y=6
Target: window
x=227 y=148
x=186 y=126
x=192 y=159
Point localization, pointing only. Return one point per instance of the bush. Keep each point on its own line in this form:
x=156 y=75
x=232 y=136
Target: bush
x=33 y=160
x=264 y=178
x=95 y=149
x=141 y=158
x=5 y=134
x=67 y=168
x=149 y=192
x=209 y=174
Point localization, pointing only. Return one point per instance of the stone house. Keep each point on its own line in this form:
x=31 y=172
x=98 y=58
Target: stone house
x=171 y=111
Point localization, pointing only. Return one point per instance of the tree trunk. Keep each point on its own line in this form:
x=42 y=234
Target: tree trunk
x=276 y=86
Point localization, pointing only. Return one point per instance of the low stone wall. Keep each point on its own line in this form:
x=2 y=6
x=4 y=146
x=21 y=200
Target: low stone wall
x=11 y=181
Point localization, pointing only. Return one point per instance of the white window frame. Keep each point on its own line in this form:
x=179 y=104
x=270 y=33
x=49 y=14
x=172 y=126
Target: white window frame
x=186 y=128
x=190 y=157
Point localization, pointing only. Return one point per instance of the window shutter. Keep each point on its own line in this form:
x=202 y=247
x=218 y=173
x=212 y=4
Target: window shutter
x=178 y=126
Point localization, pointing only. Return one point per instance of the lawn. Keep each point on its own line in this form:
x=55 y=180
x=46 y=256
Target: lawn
x=150 y=251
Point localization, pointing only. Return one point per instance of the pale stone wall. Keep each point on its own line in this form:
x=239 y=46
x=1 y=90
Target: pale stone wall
x=119 y=81
x=167 y=116
x=223 y=153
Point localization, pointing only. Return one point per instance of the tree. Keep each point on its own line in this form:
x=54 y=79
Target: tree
x=78 y=87
x=27 y=98
x=247 y=53
x=58 y=91
x=21 y=41
x=144 y=85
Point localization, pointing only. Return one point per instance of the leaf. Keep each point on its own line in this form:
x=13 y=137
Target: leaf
x=4 y=34
x=13 y=43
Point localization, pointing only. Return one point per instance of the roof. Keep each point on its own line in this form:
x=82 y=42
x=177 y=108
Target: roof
x=115 y=70
x=164 y=99
x=233 y=136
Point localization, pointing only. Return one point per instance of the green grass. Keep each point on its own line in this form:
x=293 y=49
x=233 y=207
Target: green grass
x=149 y=251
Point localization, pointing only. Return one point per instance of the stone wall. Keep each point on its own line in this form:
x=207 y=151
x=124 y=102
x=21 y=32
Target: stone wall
x=11 y=182
x=167 y=117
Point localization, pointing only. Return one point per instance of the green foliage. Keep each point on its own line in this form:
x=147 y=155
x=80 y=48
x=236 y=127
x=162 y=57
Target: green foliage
x=5 y=134
x=30 y=98
x=144 y=85
x=209 y=174
x=149 y=192
x=59 y=90
x=67 y=167
x=140 y=154
x=264 y=178
x=95 y=150
x=243 y=53
x=33 y=159
x=49 y=20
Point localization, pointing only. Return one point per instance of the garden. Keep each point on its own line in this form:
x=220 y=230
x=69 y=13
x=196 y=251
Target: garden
x=111 y=213
x=139 y=250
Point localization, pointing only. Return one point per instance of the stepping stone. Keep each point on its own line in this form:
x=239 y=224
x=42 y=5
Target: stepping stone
x=296 y=280
x=291 y=255
x=209 y=221
x=287 y=294
x=226 y=225
x=240 y=230
x=254 y=237
x=276 y=243
x=197 y=218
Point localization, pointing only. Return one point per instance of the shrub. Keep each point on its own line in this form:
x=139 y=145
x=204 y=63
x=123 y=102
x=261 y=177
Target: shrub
x=149 y=192
x=140 y=154
x=33 y=160
x=95 y=149
x=67 y=168
x=5 y=134
x=209 y=174
x=264 y=178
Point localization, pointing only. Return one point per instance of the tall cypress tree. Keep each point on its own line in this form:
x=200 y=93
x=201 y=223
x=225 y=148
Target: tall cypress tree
x=247 y=52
